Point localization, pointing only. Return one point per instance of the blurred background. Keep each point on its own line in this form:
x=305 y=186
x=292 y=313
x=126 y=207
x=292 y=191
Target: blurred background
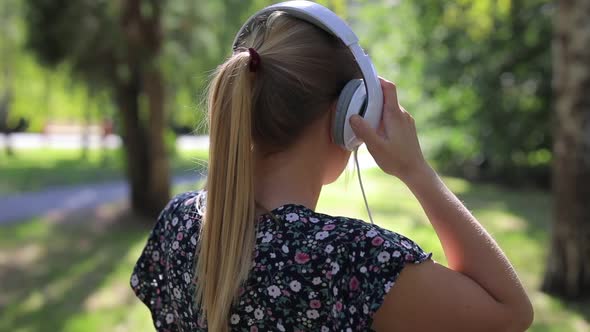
x=102 y=121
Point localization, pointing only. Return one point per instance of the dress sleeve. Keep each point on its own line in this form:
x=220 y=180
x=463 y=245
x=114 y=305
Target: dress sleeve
x=149 y=279
x=378 y=258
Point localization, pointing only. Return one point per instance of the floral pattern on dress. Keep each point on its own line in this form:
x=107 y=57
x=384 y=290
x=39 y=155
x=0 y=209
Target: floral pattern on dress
x=310 y=271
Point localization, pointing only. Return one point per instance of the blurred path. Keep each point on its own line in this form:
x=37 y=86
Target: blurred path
x=23 y=206
x=73 y=141
x=59 y=141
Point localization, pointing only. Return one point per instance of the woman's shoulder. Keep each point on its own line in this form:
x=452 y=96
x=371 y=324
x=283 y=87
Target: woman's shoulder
x=358 y=234
x=184 y=200
x=360 y=246
x=185 y=204
x=365 y=260
x=182 y=214
x=377 y=257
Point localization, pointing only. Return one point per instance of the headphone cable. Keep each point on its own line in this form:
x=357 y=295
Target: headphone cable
x=358 y=172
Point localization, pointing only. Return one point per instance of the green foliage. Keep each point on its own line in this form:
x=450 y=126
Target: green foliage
x=484 y=71
x=80 y=43
x=11 y=34
x=84 y=33
x=475 y=74
x=41 y=95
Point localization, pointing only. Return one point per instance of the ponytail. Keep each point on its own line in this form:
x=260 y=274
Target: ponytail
x=302 y=70
x=227 y=236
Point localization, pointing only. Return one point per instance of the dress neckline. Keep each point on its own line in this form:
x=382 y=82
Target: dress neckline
x=283 y=209
x=202 y=198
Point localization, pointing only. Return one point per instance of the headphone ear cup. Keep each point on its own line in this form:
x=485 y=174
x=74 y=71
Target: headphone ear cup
x=343 y=108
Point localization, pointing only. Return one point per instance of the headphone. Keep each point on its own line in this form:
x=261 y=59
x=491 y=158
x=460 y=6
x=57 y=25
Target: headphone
x=359 y=96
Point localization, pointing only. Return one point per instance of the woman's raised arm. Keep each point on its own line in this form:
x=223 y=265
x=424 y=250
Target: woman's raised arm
x=479 y=290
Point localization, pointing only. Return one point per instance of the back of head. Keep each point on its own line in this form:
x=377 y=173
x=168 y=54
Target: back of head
x=302 y=70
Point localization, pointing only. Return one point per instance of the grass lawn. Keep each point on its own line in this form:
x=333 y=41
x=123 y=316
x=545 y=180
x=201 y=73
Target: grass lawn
x=37 y=169
x=70 y=273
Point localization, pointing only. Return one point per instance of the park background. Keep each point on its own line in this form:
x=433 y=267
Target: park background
x=102 y=115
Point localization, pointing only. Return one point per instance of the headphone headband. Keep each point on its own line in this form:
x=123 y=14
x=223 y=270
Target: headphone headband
x=327 y=20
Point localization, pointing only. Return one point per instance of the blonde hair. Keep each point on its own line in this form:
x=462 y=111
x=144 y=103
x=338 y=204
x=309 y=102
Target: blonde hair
x=302 y=71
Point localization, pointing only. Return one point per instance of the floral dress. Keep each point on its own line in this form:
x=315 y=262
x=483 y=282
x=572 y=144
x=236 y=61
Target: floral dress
x=310 y=271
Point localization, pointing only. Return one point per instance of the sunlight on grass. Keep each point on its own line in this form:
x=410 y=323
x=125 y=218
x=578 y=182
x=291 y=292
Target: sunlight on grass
x=72 y=274
x=38 y=169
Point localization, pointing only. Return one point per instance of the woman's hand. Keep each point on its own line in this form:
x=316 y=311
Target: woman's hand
x=394 y=146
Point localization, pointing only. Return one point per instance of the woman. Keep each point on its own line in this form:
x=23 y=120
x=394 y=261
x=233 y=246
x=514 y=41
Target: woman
x=249 y=253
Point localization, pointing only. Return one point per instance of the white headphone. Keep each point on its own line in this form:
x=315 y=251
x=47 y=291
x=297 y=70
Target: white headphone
x=359 y=96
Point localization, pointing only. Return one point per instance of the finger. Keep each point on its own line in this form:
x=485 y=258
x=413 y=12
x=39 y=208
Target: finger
x=388 y=122
x=404 y=111
x=407 y=115
x=390 y=101
x=381 y=131
x=364 y=131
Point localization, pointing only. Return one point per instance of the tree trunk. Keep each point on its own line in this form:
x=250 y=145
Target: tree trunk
x=158 y=158
x=147 y=162
x=568 y=266
x=134 y=143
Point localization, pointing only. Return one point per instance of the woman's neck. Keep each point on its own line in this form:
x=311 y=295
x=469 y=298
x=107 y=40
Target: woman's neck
x=289 y=177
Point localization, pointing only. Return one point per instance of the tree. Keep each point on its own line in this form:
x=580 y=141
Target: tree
x=115 y=45
x=479 y=75
x=568 y=266
x=139 y=51
x=11 y=39
x=147 y=162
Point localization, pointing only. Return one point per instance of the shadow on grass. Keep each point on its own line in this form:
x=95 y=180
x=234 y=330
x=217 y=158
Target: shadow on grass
x=51 y=268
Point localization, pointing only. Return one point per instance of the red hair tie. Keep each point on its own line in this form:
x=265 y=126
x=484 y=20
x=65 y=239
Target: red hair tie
x=254 y=60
